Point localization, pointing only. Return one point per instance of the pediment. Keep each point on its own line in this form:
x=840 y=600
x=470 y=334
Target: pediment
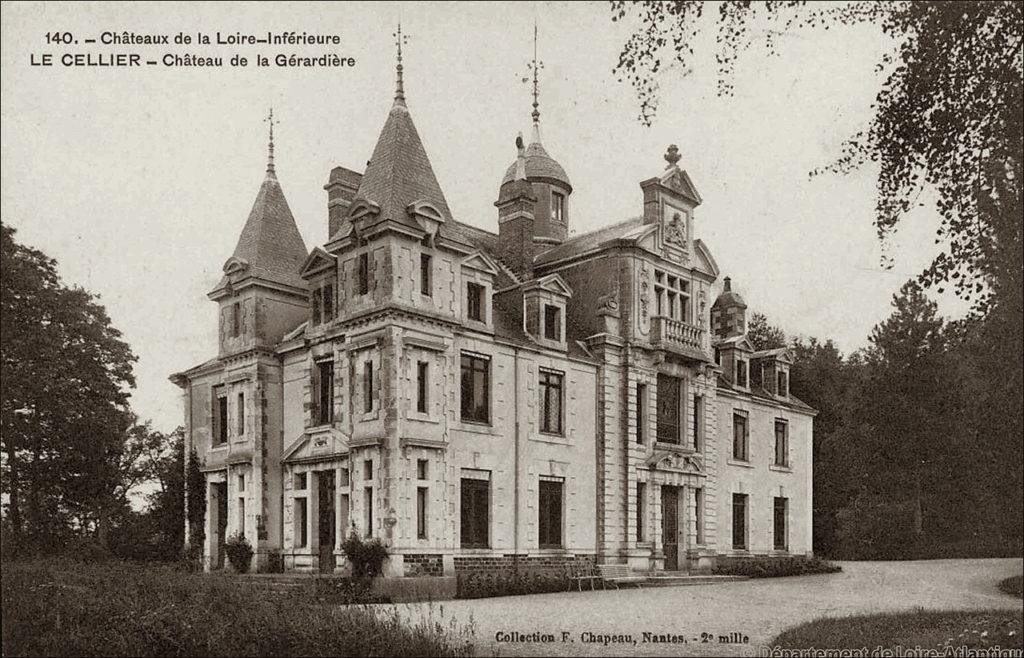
x=234 y=264
x=552 y=283
x=705 y=259
x=318 y=261
x=317 y=446
x=480 y=261
x=666 y=460
x=679 y=182
x=738 y=343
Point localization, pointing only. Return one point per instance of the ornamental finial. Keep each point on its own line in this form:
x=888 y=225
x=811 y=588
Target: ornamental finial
x=270 y=146
x=400 y=84
x=672 y=155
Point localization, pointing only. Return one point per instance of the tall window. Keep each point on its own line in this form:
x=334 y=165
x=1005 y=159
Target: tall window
x=669 y=412
x=671 y=296
x=368 y=510
x=558 y=207
x=220 y=416
x=641 y=510
x=641 y=411
x=426 y=283
x=552 y=322
x=779 y=530
x=741 y=372
x=551 y=402
x=781 y=443
x=327 y=292
x=236 y=319
x=422 y=469
x=475 y=513
x=422 y=493
x=475 y=301
x=364 y=273
x=325 y=392
x=739 y=521
x=368 y=386
x=241 y=515
x=698 y=422
x=476 y=384
x=240 y=415
x=301 y=526
x=422 y=385
x=549 y=508
x=698 y=514
x=782 y=384
x=314 y=306
x=739 y=437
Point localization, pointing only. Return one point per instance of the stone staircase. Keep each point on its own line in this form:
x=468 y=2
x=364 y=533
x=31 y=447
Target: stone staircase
x=682 y=578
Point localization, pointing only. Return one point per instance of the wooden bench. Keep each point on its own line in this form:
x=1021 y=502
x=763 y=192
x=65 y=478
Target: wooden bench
x=618 y=573
x=581 y=573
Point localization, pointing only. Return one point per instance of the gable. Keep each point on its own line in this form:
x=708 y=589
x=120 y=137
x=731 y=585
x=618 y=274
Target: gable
x=478 y=260
x=552 y=283
x=679 y=182
x=317 y=262
x=705 y=259
x=316 y=447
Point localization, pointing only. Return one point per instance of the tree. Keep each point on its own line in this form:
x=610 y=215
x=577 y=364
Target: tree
x=764 y=336
x=195 y=500
x=64 y=409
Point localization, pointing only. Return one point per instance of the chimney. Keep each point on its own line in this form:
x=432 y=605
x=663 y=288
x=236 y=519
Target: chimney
x=516 y=203
x=341 y=189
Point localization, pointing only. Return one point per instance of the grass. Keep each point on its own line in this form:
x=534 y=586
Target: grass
x=940 y=631
x=60 y=607
x=1014 y=586
x=775 y=567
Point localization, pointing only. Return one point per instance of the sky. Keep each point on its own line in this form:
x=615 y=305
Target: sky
x=138 y=180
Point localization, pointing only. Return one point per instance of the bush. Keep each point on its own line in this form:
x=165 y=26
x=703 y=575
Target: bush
x=1014 y=586
x=365 y=557
x=347 y=591
x=774 y=567
x=192 y=556
x=509 y=583
x=239 y=552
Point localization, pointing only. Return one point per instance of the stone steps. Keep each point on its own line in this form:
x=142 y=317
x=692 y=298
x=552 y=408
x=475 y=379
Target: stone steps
x=682 y=579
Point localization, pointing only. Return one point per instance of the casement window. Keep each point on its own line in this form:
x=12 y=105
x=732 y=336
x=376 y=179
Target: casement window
x=476 y=389
x=558 y=207
x=422 y=496
x=698 y=422
x=739 y=521
x=781 y=442
x=474 y=510
x=641 y=510
x=671 y=296
x=779 y=530
x=236 y=319
x=426 y=278
x=240 y=415
x=698 y=514
x=641 y=412
x=323 y=387
x=220 y=416
x=549 y=509
x=475 y=301
x=367 y=511
x=301 y=526
x=741 y=373
x=782 y=384
x=422 y=469
x=422 y=386
x=552 y=322
x=368 y=386
x=669 y=411
x=551 y=391
x=739 y=437
x=364 y=273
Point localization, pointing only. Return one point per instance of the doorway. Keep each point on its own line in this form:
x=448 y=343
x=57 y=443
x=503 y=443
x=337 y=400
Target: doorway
x=220 y=490
x=670 y=526
x=326 y=528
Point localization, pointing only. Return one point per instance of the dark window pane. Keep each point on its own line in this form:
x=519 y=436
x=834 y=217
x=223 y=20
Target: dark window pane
x=739 y=521
x=550 y=514
x=364 y=273
x=551 y=402
x=422 y=379
x=426 y=286
x=325 y=407
x=552 y=322
x=328 y=293
x=475 y=513
x=475 y=393
x=779 y=523
x=668 y=409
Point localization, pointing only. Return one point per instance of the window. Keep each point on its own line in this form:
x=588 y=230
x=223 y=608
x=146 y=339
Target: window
x=300 y=480
x=301 y=527
x=240 y=415
x=236 y=319
x=421 y=512
x=739 y=437
x=698 y=422
x=718 y=356
x=220 y=417
x=475 y=513
x=314 y=304
x=328 y=301
x=698 y=514
x=549 y=525
x=558 y=207
x=641 y=510
x=241 y=483
x=364 y=273
x=475 y=389
x=551 y=402
x=641 y=411
x=668 y=408
x=781 y=443
x=426 y=284
x=671 y=296
x=782 y=383
x=343 y=480
x=368 y=469
x=368 y=511
x=741 y=372
x=422 y=386
x=475 y=301
x=552 y=322
x=739 y=521
x=241 y=516
x=368 y=386
x=422 y=466
x=781 y=512
x=324 y=411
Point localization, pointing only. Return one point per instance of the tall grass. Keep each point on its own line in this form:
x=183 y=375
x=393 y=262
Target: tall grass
x=59 y=607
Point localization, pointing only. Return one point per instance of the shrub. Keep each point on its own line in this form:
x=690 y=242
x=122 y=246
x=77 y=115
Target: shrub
x=239 y=552
x=774 y=567
x=366 y=557
x=477 y=585
x=347 y=591
x=1014 y=586
x=192 y=556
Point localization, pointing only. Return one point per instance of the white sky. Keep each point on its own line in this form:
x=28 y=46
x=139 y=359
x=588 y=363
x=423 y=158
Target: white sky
x=138 y=181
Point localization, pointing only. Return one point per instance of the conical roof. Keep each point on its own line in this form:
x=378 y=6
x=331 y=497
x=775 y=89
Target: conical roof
x=538 y=164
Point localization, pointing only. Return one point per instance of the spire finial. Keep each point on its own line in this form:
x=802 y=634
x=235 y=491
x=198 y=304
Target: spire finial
x=399 y=84
x=270 y=146
x=535 y=65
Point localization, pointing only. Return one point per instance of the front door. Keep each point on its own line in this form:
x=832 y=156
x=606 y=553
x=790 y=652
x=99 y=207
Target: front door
x=325 y=519
x=670 y=526
x=221 y=490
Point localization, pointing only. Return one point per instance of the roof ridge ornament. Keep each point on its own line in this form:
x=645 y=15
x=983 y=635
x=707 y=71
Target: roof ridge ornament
x=672 y=156
x=270 y=145
x=399 y=82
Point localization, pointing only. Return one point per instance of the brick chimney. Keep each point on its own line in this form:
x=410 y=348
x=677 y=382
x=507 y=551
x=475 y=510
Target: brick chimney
x=341 y=189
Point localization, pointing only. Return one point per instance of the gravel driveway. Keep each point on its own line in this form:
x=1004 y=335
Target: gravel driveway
x=613 y=622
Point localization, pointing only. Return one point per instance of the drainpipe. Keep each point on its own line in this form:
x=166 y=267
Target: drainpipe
x=515 y=454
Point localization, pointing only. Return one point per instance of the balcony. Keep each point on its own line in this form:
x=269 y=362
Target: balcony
x=679 y=337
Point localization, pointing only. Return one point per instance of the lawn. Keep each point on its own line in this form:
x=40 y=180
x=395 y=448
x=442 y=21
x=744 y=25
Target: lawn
x=929 y=630
x=60 y=607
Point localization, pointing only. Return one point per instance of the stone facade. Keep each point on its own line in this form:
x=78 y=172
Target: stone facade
x=486 y=400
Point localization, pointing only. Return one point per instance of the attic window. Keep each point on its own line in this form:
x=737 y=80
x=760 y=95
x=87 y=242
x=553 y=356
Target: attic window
x=782 y=379
x=552 y=322
x=364 y=273
x=236 y=319
x=558 y=207
x=475 y=301
x=741 y=373
x=426 y=285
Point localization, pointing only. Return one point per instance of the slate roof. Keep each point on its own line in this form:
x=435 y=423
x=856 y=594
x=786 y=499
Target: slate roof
x=756 y=391
x=270 y=241
x=539 y=165
x=625 y=230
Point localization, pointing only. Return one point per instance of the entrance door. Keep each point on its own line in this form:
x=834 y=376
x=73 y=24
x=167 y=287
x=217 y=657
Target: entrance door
x=325 y=519
x=221 y=490
x=670 y=527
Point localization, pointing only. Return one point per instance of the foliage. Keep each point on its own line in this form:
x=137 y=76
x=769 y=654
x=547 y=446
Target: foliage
x=64 y=418
x=1014 y=586
x=476 y=585
x=121 y=609
x=347 y=591
x=192 y=556
x=939 y=631
x=239 y=552
x=762 y=335
x=366 y=557
x=195 y=499
x=775 y=567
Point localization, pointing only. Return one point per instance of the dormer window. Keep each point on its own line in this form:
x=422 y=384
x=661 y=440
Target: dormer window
x=364 y=273
x=782 y=381
x=475 y=301
x=426 y=282
x=557 y=207
x=552 y=322
x=236 y=319
x=322 y=303
x=741 y=373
